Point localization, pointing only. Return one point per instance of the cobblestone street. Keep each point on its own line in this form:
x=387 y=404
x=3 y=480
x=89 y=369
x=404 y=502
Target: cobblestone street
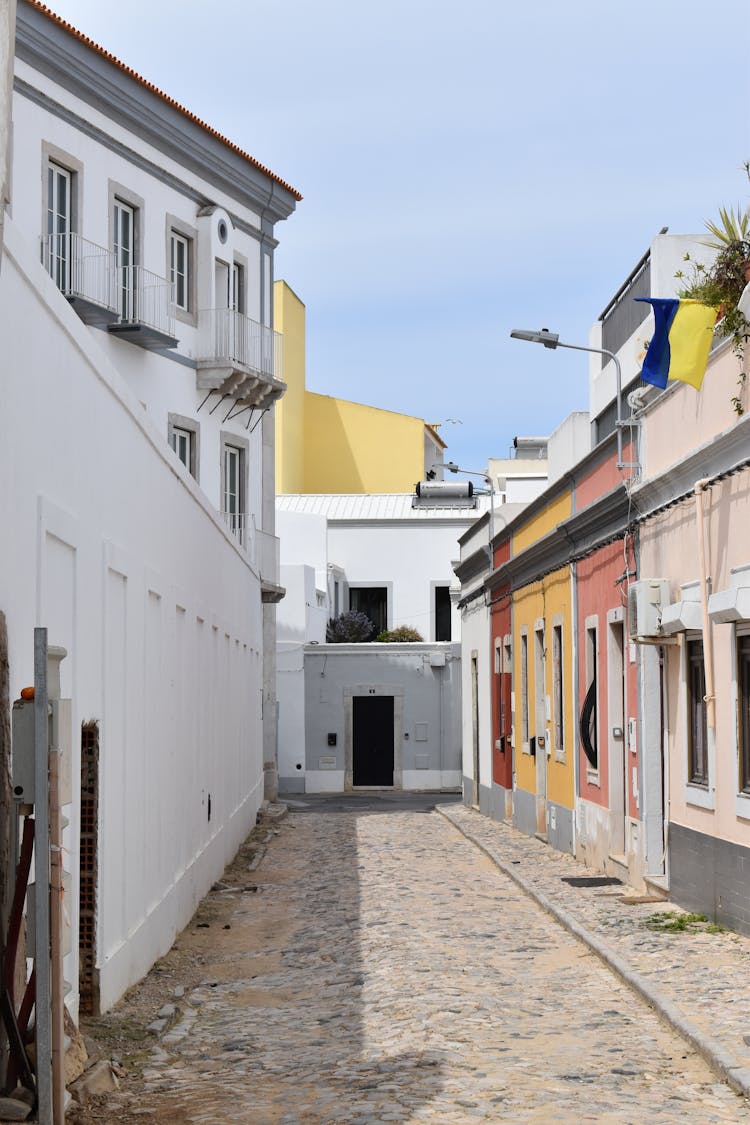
x=385 y=970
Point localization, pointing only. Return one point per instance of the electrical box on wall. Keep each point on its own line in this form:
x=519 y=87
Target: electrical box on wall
x=22 y=731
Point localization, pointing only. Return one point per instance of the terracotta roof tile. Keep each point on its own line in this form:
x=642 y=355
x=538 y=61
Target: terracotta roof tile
x=160 y=93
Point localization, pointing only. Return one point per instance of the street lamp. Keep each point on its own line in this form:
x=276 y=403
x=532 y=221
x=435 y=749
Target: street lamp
x=452 y=467
x=552 y=340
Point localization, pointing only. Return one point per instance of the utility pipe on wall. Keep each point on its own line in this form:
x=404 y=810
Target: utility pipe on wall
x=708 y=653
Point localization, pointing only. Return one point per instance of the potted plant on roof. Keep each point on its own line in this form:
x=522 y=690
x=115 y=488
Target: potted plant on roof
x=722 y=283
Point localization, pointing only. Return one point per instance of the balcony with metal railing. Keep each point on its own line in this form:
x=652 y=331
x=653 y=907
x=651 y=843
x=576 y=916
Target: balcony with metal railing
x=267 y=557
x=237 y=523
x=145 y=307
x=129 y=301
x=83 y=272
x=239 y=357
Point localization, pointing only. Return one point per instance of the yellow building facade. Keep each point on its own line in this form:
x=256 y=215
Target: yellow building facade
x=543 y=719
x=331 y=445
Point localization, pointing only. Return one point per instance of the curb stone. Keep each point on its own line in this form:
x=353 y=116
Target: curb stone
x=722 y=1061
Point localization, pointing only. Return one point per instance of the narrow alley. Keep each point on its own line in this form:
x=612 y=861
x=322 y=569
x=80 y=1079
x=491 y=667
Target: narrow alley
x=375 y=967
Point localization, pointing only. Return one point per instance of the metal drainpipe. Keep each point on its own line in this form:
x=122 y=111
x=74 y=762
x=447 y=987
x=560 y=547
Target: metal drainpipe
x=574 y=678
x=708 y=652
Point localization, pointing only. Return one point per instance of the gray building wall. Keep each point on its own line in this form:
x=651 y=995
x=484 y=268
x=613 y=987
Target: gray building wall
x=524 y=811
x=425 y=681
x=497 y=809
x=560 y=827
x=710 y=876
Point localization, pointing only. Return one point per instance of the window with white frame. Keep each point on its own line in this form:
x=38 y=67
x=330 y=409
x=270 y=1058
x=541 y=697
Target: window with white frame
x=589 y=723
x=123 y=245
x=234 y=486
x=524 y=690
x=373 y=602
x=504 y=688
x=558 y=690
x=59 y=224
x=179 y=270
x=697 y=728
x=743 y=706
x=183 y=438
x=238 y=287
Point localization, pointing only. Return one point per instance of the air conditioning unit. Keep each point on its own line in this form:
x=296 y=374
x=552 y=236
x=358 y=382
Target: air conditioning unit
x=645 y=601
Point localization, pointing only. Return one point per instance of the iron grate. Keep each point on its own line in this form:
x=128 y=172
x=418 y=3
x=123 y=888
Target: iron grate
x=591 y=881
x=89 y=858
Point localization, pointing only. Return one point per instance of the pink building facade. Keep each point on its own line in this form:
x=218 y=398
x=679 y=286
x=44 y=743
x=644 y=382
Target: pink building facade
x=694 y=532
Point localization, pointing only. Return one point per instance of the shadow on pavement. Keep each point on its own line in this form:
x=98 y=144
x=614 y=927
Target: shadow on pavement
x=368 y=802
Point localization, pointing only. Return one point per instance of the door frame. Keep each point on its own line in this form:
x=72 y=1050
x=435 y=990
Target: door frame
x=616 y=747
x=398 y=731
x=540 y=722
x=475 y=726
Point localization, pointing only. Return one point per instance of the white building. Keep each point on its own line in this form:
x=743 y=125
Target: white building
x=139 y=366
x=391 y=557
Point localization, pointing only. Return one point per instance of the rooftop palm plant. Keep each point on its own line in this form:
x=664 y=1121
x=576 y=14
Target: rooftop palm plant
x=721 y=283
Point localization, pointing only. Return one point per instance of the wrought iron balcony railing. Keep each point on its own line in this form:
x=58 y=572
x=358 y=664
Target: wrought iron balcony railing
x=228 y=337
x=124 y=297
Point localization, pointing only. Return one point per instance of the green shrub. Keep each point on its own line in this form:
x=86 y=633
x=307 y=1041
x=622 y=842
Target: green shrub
x=399 y=635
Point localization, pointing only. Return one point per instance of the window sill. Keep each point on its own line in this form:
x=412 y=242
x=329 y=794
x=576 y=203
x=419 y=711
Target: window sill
x=742 y=805
x=702 y=798
x=185 y=316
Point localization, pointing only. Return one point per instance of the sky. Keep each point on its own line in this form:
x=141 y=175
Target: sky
x=467 y=168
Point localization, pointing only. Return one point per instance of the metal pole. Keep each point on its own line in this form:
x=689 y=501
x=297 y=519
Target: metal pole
x=42 y=881
x=618 y=400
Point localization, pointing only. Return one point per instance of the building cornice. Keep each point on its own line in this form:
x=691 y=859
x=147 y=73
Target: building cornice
x=599 y=523
x=135 y=158
x=473 y=565
x=55 y=49
x=716 y=456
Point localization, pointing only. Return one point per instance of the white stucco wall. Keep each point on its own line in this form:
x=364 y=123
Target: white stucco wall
x=7 y=34
x=568 y=444
x=115 y=549
x=425 y=682
x=410 y=558
x=475 y=644
x=667 y=258
x=161 y=383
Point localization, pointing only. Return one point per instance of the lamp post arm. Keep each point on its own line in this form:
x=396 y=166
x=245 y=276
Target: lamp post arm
x=618 y=399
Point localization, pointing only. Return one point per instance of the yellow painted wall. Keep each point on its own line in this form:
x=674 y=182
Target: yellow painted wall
x=543 y=522
x=289 y=319
x=548 y=599
x=354 y=448
x=326 y=444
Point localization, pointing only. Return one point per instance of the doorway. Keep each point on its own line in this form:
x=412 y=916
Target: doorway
x=618 y=766
x=372 y=740
x=540 y=721
x=475 y=725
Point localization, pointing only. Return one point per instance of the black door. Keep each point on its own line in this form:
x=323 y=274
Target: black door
x=372 y=751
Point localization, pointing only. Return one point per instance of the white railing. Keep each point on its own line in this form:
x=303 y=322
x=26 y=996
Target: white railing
x=80 y=268
x=267 y=555
x=134 y=295
x=237 y=524
x=227 y=336
x=145 y=298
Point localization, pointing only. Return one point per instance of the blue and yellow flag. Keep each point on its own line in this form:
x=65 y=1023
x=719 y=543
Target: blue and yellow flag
x=683 y=333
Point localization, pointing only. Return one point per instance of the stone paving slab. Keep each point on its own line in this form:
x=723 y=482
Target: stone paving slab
x=385 y=970
x=696 y=981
